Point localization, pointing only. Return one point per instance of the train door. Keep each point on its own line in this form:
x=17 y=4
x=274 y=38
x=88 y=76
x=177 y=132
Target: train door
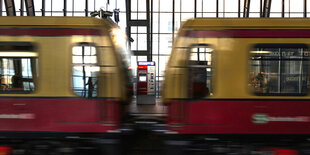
x=85 y=70
x=96 y=76
x=200 y=71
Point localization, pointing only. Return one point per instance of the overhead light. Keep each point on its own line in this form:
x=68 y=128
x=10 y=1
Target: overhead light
x=260 y=52
x=18 y=54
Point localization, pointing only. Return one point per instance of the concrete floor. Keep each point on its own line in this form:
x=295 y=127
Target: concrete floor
x=157 y=109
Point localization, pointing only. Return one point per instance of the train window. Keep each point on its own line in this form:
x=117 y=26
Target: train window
x=18 y=67
x=279 y=69
x=85 y=70
x=201 y=71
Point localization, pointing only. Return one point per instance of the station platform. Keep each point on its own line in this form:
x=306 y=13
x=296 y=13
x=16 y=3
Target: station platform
x=147 y=110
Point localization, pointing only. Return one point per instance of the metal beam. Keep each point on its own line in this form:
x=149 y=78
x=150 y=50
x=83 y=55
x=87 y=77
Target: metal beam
x=217 y=8
x=261 y=8
x=246 y=8
x=65 y=8
x=128 y=19
x=148 y=30
x=266 y=9
x=239 y=8
x=43 y=8
x=146 y=23
x=305 y=8
x=173 y=17
x=151 y=27
x=10 y=7
x=21 y=8
x=86 y=8
x=1 y=5
x=140 y=52
x=73 y=7
x=30 y=7
x=283 y=8
x=195 y=8
x=138 y=22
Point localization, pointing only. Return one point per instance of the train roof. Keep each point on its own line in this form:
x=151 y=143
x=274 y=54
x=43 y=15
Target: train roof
x=56 y=22
x=239 y=23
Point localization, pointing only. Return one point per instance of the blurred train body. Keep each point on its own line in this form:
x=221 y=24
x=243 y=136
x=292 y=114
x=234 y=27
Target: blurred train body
x=239 y=86
x=64 y=84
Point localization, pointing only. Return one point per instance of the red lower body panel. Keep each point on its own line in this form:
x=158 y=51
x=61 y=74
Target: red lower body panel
x=59 y=114
x=239 y=116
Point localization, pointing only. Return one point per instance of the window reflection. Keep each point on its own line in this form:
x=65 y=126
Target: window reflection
x=201 y=67
x=17 y=70
x=85 y=71
x=279 y=70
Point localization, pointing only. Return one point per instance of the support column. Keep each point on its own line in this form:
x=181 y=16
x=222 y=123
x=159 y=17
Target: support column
x=10 y=7
x=246 y=9
x=30 y=7
x=266 y=9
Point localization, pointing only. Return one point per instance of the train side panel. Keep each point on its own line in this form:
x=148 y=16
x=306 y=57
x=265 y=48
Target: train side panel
x=74 y=96
x=215 y=104
x=232 y=108
x=55 y=89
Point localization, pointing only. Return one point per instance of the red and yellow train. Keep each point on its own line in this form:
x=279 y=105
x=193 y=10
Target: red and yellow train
x=240 y=86
x=64 y=84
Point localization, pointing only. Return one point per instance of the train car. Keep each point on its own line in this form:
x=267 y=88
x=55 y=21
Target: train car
x=64 y=84
x=239 y=86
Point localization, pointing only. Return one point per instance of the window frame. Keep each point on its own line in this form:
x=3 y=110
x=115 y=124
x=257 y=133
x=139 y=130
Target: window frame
x=34 y=49
x=213 y=62
x=276 y=45
x=80 y=44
